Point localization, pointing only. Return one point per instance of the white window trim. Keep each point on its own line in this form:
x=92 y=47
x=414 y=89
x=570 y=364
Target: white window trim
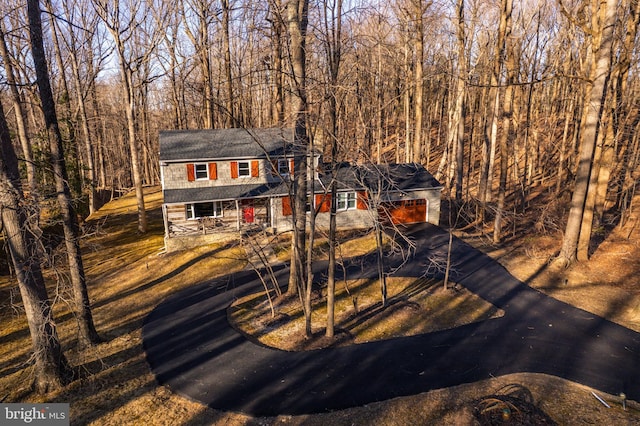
x=195 y=171
x=218 y=210
x=248 y=175
x=283 y=164
x=344 y=198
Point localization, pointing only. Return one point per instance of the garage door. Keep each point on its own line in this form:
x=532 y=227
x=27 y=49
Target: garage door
x=405 y=211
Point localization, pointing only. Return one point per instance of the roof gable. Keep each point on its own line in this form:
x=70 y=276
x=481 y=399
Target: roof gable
x=192 y=145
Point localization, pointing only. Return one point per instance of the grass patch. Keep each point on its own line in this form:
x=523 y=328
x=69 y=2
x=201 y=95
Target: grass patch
x=414 y=306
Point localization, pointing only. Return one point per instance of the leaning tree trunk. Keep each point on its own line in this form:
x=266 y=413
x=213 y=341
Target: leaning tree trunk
x=51 y=368
x=81 y=304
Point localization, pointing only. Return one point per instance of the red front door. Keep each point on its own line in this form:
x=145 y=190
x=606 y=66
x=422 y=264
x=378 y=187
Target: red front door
x=248 y=215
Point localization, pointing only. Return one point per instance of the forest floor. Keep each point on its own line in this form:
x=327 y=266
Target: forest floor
x=129 y=275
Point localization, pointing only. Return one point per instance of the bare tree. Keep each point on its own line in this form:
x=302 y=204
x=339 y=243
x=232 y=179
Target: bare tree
x=19 y=112
x=80 y=92
x=198 y=14
x=82 y=305
x=605 y=20
x=297 y=21
x=332 y=19
x=491 y=126
x=135 y=40
x=507 y=119
x=51 y=368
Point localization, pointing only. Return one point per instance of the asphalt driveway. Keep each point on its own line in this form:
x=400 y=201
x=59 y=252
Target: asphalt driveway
x=191 y=347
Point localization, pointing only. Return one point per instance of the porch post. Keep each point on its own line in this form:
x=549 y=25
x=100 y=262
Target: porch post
x=238 y=215
x=272 y=223
x=165 y=220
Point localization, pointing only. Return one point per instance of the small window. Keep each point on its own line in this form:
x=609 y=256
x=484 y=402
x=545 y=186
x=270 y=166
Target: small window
x=283 y=167
x=244 y=170
x=202 y=171
x=346 y=200
x=200 y=210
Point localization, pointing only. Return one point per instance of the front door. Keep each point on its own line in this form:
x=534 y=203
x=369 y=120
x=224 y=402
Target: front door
x=248 y=215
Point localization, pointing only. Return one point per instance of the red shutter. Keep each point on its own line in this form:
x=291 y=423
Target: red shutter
x=323 y=203
x=213 y=171
x=234 y=169
x=254 y=168
x=286 y=206
x=191 y=172
x=291 y=167
x=361 y=202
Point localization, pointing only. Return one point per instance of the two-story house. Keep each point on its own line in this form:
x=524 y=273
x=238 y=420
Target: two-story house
x=216 y=182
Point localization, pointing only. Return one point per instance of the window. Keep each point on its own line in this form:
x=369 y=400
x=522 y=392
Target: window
x=202 y=171
x=244 y=170
x=346 y=200
x=200 y=210
x=283 y=167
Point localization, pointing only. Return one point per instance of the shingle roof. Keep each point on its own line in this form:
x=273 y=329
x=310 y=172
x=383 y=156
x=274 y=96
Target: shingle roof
x=184 y=145
x=384 y=177
x=228 y=192
x=375 y=177
x=398 y=177
x=231 y=192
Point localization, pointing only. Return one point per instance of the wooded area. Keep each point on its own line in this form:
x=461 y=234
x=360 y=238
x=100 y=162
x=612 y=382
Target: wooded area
x=493 y=97
x=498 y=99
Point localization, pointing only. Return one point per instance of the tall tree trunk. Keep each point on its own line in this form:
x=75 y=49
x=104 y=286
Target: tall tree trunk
x=51 y=368
x=90 y=169
x=333 y=29
x=110 y=14
x=82 y=305
x=491 y=126
x=21 y=125
x=278 y=72
x=507 y=119
x=297 y=20
x=458 y=116
x=97 y=126
x=202 y=47
x=600 y=76
x=620 y=106
x=408 y=146
x=230 y=119
x=65 y=102
x=419 y=84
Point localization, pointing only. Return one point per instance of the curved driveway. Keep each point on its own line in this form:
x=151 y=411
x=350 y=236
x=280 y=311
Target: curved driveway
x=191 y=347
